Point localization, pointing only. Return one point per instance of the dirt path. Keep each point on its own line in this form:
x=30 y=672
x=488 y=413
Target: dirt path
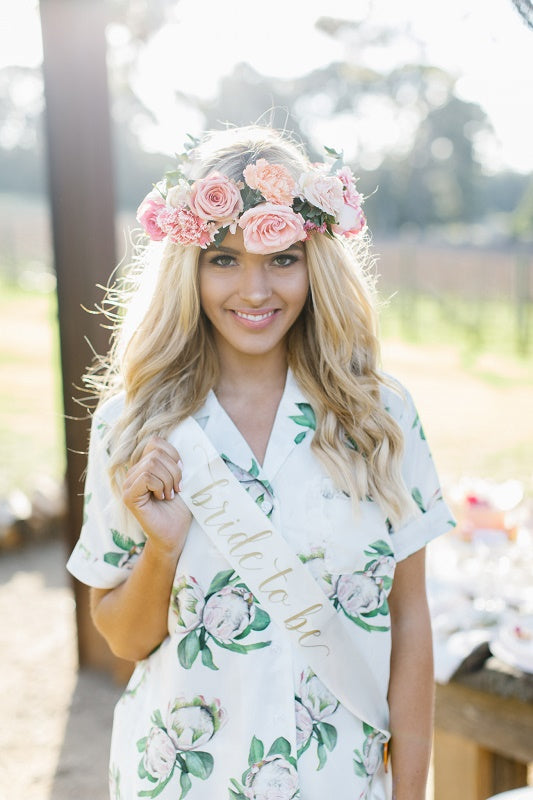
x=55 y=734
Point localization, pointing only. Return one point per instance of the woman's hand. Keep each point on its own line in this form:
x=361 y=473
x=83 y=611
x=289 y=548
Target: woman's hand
x=151 y=492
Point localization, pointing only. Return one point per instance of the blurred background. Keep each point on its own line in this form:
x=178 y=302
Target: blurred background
x=432 y=106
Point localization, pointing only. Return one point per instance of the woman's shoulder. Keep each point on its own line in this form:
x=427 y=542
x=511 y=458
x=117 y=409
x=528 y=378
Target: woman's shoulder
x=395 y=397
x=109 y=410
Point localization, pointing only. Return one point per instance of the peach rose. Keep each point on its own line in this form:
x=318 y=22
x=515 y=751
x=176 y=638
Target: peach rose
x=217 y=198
x=324 y=191
x=147 y=215
x=269 y=228
x=274 y=181
x=351 y=195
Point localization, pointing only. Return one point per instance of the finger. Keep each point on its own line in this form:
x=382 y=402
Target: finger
x=158 y=443
x=163 y=469
x=141 y=486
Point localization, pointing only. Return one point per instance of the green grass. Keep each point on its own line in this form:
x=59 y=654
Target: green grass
x=445 y=351
x=473 y=327
x=31 y=428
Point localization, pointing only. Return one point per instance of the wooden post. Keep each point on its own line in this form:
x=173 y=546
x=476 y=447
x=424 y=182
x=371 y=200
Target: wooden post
x=83 y=219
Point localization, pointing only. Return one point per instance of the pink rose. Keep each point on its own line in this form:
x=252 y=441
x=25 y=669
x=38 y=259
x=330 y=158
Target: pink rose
x=322 y=190
x=351 y=195
x=217 y=198
x=147 y=214
x=269 y=228
x=351 y=221
x=184 y=227
x=274 y=181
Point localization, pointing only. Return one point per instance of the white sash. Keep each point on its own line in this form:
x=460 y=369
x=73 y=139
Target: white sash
x=273 y=572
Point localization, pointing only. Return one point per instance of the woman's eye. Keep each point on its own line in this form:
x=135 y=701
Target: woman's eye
x=284 y=261
x=222 y=261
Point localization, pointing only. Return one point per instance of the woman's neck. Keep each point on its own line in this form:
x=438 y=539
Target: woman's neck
x=251 y=376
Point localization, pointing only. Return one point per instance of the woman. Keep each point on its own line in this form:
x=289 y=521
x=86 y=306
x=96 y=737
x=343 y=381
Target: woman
x=259 y=342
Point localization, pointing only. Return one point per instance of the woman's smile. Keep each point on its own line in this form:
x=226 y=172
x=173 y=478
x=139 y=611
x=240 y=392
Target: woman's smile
x=252 y=300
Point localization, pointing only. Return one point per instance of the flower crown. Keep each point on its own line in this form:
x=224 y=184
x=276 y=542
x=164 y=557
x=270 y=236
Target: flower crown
x=273 y=209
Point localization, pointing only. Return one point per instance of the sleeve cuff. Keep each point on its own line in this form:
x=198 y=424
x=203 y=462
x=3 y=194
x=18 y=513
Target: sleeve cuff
x=421 y=530
x=95 y=573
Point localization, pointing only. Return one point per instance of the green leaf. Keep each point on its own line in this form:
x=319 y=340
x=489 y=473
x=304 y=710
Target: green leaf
x=329 y=734
x=141 y=771
x=359 y=768
x=305 y=747
x=113 y=558
x=254 y=469
x=358 y=621
x=381 y=547
x=322 y=756
x=256 y=646
x=188 y=649
x=300 y=437
x=417 y=497
x=217 y=241
x=124 y=542
x=185 y=783
x=157 y=719
x=261 y=620
x=199 y=764
x=207 y=658
x=236 y=795
x=220 y=580
x=257 y=751
x=141 y=744
x=280 y=747
x=307 y=417
x=368 y=730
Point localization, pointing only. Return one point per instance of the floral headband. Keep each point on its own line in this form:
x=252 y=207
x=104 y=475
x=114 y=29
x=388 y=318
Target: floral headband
x=273 y=210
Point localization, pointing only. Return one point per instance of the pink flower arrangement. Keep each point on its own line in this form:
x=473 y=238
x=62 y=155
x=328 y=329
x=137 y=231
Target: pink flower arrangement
x=216 y=198
x=273 y=209
x=274 y=181
x=270 y=228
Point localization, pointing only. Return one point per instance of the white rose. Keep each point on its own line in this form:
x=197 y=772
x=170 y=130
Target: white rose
x=187 y=603
x=384 y=567
x=273 y=778
x=228 y=612
x=359 y=594
x=316 y=698
x=179 y=195
x=304 y=724
x=324 y=191
x=192 y=724
x=160 y=754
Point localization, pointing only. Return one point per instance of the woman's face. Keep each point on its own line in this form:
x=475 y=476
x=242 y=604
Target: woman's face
x=252 y=300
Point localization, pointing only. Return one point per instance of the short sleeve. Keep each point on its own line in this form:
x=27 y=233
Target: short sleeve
x=110 y=538
x=432 y=515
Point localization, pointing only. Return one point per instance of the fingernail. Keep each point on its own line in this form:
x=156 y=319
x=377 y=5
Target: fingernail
x=172 y=494
x=180 y=486
x=180 y=464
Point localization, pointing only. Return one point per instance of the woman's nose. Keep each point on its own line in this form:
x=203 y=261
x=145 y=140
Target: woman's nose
x=255 y=284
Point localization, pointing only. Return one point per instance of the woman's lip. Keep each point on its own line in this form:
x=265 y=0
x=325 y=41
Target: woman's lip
x=255 y=319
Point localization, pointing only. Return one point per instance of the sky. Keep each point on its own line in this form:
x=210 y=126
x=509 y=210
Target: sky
x=484 y=43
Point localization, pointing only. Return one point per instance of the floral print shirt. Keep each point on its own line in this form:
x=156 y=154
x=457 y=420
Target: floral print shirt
x=224 y=708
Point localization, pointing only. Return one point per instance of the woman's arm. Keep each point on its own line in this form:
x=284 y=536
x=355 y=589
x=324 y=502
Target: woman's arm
x=411 y=683
x=133 y=616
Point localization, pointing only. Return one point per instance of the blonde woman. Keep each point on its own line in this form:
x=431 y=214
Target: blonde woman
x=273 y=596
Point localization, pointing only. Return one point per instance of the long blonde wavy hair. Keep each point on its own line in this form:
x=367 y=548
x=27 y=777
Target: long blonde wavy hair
x=168 y=364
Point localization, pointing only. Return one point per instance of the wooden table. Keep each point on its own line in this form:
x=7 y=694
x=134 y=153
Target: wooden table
x=483 y=730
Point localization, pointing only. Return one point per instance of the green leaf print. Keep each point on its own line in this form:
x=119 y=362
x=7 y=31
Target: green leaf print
x=185 y=783
x=306 y=418
x=260 y=621
x=86 y=501
x=417 y=497
x=328 y=734
x=257 y=751
x=207 y=658
x=358 y=766
x=199 y=764
x=322 y=756
x=124 y=542
x=220 y=580
x=188 y=649
x=379 y=547
x=280 y=747
x=254 y=469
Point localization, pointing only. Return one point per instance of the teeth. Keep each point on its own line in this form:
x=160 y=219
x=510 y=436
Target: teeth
x=254 y=317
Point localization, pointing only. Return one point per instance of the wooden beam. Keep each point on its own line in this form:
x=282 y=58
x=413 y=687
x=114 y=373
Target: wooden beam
x=83 y=212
